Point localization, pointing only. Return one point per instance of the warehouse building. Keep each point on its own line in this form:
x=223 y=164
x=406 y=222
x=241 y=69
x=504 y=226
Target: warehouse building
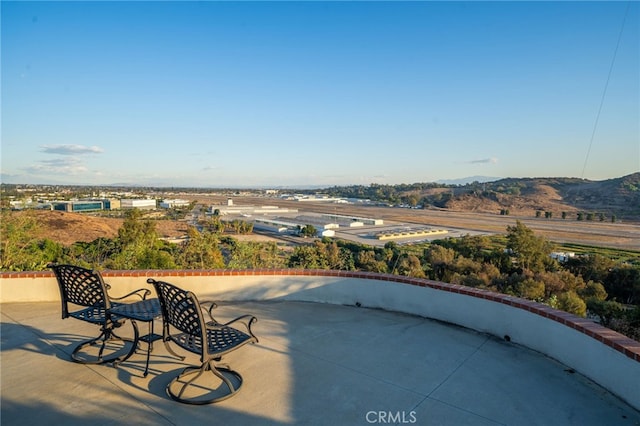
x=136 y=203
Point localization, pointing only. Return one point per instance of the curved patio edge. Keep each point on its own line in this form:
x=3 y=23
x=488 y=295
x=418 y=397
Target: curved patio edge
x=605 y=356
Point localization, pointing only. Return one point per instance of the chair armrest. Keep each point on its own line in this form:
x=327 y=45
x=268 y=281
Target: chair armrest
x=212 y=306
x=142 y=293
x=247 y=321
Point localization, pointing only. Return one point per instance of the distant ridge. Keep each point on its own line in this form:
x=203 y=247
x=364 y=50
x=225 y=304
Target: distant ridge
x=551 y=197
x=618 y=197
x=467 y=180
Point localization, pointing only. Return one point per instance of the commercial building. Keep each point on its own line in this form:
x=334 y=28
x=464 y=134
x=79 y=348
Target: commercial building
x=172 y=204
x=137 y=203
x=81 y=206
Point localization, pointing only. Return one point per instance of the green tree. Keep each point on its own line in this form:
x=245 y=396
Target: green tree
x=605 y=310
x=306 y=257
x=475 y=247
x=140 y=247
x=570 y=302
x=135 y=229
x=465 y=266
x=200 y=251
x=367 y=260
x=252 y=255
x=531 y=252
x=139 y=255
x=409 y=265
x=623 y=284
x=412 y=200
x=308 y=231
x=441 y=259
x=93 y=254
x=593 y=267
x=558 y=282
x=593 y=290
x=20 y=248
x=214 y=224
x=531 y=289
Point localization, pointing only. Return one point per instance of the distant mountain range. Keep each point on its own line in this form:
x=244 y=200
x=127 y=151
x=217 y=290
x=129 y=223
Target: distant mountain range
x=466 y=180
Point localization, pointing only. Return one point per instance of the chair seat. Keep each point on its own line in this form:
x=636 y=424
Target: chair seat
x=94 y=314
x=221 y=339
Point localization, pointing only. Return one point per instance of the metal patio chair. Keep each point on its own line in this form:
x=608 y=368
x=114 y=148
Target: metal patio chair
x=184 y=324
x=84 y=297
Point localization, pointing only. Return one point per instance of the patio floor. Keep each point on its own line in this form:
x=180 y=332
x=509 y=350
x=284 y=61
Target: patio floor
x=315 y=364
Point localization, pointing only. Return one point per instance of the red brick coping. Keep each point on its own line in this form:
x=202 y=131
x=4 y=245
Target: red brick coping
x=617 y=341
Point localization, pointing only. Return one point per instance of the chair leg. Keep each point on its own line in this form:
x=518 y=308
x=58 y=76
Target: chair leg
x=222 y=373
x=106 y=336
x=86 y=343
x=134 y=345
x=171 y=351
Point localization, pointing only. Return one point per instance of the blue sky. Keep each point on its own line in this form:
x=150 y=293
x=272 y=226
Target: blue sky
x=241 y=94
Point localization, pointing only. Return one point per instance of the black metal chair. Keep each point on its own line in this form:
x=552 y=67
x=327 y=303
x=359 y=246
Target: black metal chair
x=84 y=297
x=210 y=339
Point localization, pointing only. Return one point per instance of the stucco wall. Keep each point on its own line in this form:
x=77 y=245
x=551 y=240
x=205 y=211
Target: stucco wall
x=606 y=357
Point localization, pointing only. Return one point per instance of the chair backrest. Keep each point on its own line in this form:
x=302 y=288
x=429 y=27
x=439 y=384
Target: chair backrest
x=180 y=309
x=80 y=286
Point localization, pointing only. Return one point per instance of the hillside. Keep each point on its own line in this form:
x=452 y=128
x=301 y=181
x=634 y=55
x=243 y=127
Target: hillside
x=619 y=197
x=68 y=228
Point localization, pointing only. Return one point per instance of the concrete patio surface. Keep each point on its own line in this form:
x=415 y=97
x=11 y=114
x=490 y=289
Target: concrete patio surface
x=315 y=364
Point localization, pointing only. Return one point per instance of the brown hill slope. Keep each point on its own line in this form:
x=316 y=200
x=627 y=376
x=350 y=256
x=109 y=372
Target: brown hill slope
x=618 y=197
x=68 y=228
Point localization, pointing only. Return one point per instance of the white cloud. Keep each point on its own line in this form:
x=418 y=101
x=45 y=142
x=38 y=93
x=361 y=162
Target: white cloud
x=71 y=149
x=491 y=160
x=64 y=166
x=210 y=168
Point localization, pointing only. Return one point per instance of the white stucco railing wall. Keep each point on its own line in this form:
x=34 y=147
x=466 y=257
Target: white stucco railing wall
x=614 y=370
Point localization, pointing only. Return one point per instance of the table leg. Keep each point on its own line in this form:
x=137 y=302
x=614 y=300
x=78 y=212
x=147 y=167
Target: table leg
x=149 y=347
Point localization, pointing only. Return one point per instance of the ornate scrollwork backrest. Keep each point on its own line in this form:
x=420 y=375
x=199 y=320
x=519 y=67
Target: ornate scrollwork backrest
x=80 y=286
x=180 y=308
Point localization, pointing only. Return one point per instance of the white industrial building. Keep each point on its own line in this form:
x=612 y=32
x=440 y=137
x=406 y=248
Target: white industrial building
x=282 y=226
x=357 y=221
x=249 y=210
x=137 y=203
x=172 y=204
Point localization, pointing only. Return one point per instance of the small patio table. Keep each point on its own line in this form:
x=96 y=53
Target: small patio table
x=145 y=311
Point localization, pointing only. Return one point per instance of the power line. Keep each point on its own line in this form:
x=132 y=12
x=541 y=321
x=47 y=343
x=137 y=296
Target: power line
x=604 y=92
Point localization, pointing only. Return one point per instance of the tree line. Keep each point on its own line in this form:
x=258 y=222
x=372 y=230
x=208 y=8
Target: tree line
x=518 y=264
